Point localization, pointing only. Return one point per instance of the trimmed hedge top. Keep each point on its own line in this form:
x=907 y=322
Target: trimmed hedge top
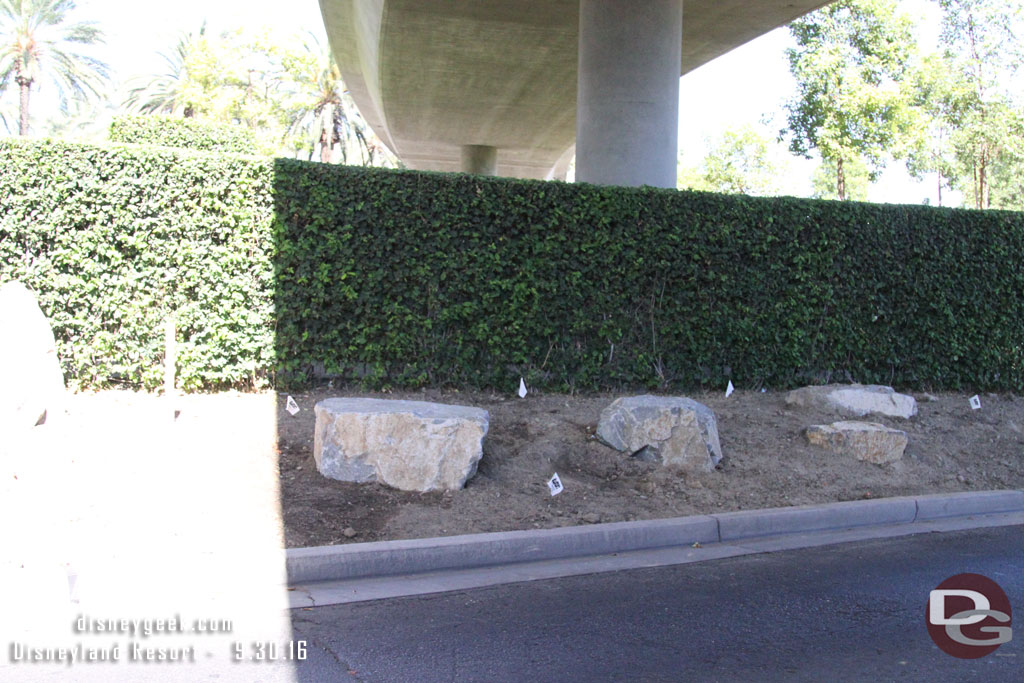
x=169 y=131
x=279 y=269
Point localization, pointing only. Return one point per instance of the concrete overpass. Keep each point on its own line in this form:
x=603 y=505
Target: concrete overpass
x=515 y=87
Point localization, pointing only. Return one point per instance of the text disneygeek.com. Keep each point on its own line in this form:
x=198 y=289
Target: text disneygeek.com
x=135 y=651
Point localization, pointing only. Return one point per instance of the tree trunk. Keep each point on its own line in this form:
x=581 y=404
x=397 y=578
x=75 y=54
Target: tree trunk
x=977 y=188
x=983 y=185
x=24 y=85
x=327 y=134
x=840 y=180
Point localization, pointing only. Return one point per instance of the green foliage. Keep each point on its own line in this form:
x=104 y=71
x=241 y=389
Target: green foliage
x=287 y=91
x=849 y=64
x=740 y=162
x=279 y=269
x=929 y=149
x=114 y=239
x=40 y=41
x=193 y=84
x=1007 y=178
x=975 y=117
x=167 y=131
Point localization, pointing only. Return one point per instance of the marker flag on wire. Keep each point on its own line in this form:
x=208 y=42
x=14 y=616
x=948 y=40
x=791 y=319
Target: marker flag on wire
x=975 y=402
x=522 y=388
x=555 y=485
x=729 y=389
x=291 y=406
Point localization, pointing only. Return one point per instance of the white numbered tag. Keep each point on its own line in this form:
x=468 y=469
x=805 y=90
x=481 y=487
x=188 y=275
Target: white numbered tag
x=522 y=388
x=975 y=402
x=555 y=485
x=291 y=406
x=729 y=389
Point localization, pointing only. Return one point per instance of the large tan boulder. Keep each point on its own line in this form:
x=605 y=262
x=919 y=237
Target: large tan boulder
x=31 y=380
x=866 y=441
x=409 y=445
x=854 y=400
x=674 y=430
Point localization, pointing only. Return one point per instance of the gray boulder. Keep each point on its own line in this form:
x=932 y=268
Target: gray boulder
x=408 y=445
x=866 y=441
x=854 y=400
x=678 y=431
x=31 y=380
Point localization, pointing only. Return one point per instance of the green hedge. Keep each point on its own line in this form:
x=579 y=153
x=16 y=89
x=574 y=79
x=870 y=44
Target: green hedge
x=114 y=239
x=280 y=269
x=168 y=131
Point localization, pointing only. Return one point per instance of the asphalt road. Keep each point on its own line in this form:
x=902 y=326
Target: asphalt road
x=845 y=612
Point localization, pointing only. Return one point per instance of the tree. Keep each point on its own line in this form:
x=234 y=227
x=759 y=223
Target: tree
x=1007 y=183
x=849 y=65
x=289 y=93
x=38 y=41
x=856 y=182
x=690 y=178
x=975 y=105
x=324 y=115
x=742 y=162
x=192 y=84
x=930 y=146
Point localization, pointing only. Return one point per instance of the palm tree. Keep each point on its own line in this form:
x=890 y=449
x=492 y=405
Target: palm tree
x=328 y=115
x=37 y=42
x=175 y=91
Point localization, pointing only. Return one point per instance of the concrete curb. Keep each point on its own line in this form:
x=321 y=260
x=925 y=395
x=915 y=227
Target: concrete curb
x=398 y=558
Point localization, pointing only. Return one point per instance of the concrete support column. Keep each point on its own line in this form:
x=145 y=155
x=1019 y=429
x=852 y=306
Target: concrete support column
x=627 y=112
x=480 y=159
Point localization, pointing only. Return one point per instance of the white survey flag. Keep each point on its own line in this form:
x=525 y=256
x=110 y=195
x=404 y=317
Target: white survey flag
x=555 y=485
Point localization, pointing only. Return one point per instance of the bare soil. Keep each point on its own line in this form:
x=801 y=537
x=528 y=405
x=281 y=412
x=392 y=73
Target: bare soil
x=767 y=463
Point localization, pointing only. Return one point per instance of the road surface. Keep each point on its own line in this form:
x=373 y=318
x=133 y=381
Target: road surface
x=845 y=612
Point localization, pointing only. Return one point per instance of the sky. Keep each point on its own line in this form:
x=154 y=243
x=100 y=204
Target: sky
x=746 y=86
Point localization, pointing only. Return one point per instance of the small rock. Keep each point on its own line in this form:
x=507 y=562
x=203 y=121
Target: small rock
x=591 y=518
x=926 y=398
x=647 y=487
x=349 y=532
x=647 y=454
x=866 y=441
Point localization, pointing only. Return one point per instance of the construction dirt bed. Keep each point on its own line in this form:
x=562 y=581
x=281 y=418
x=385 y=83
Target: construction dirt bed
x=767 y=463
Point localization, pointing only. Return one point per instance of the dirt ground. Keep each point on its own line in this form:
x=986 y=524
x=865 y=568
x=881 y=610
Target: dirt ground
x=767 y=463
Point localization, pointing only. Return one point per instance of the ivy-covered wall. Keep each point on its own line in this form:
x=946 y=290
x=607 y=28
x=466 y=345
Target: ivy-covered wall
x=279 y=268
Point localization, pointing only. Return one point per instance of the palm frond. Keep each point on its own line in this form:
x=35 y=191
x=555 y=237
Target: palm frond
x=36 y=46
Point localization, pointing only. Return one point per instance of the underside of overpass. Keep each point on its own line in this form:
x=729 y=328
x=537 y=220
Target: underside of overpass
x=516 y=87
